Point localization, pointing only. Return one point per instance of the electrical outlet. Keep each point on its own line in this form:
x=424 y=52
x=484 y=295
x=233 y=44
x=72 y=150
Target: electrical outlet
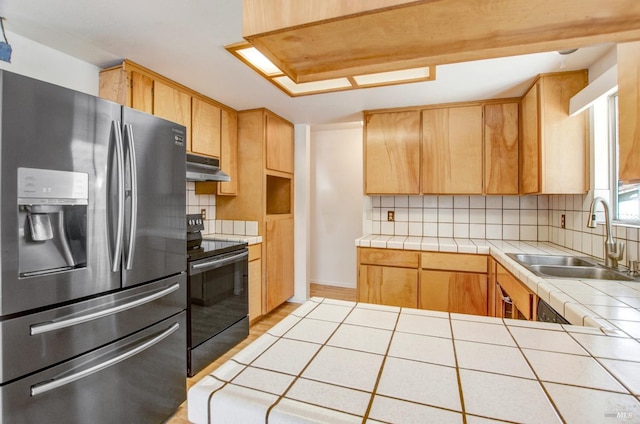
x=563 y=221
x=203 y=212
x=391 y=216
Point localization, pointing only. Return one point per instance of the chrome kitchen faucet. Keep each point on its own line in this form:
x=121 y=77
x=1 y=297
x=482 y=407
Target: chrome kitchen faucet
x=612 y=252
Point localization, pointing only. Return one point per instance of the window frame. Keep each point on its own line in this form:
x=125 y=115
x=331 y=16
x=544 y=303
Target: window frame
x=614 y=161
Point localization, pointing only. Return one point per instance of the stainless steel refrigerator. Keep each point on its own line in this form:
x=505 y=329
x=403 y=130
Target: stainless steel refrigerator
x=92 y=258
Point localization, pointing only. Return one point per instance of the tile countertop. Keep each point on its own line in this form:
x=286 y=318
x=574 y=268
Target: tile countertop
x=345 y=362
x=612 y=306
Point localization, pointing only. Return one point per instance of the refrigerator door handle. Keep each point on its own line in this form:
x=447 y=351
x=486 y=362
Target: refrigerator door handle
x=117 y=251
x=46 y=327
x=128 y=130
x=43 y=387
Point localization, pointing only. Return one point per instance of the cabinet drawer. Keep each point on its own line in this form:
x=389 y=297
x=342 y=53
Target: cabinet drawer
x=454 y=262
x=255 y=252
x=521 y=297
x=389 y=257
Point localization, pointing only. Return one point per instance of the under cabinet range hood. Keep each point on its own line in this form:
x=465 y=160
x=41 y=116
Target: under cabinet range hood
x=200 y=168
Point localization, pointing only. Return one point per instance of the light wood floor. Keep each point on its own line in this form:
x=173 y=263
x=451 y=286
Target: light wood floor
x=256 y=330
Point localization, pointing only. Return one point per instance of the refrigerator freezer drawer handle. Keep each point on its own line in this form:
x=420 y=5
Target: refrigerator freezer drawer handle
x=128 y=131
x=57 y=325
x=117 y=252
x=40 y=388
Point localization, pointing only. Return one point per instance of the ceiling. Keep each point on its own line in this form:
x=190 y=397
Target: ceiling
x=184 y=41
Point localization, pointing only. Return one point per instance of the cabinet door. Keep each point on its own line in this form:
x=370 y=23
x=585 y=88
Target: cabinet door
x=530 y=143
x=229 y=152
x=205 y=128
x=501 y=134
x=174 y=105
x=391 y=286
x=459 y=292
x=392 y=153
x=141 y=92
x=279 y=261
x=255 y=289
x=564 y=139
x=521 y=297
x=434 y=290
x=452 y=150
x=629 y=110
x=279 y=145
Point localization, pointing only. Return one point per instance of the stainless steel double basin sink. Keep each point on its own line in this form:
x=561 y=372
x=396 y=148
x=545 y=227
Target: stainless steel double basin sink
x=559 y=266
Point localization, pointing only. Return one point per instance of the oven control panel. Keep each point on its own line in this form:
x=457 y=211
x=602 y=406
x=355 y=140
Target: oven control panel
x=194 y=223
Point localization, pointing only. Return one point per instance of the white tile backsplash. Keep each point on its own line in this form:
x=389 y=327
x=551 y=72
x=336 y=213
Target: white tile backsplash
x=526 y=218
x=196 y=203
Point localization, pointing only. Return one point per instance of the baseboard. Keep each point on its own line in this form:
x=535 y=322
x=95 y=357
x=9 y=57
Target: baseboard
x=334 y=284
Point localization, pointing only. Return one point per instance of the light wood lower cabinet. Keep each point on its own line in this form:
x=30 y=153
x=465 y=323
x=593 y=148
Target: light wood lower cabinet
x=255 y=281
x=510 y=298
x=450 y=282
x=460 y=292
x=385 y=285
x=278 y=261
x=388 y=277
x=453 y=282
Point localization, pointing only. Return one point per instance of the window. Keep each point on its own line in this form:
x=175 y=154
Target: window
x=625 y=198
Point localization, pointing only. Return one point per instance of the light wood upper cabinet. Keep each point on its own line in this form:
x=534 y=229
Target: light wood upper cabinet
x=452 y=153
x=229 y=152
x=629 y=111
x=211 y=126
x=141 y=92
x=174 y=105
x=127 y=87
x=558 y=141
x=205 y=128
x=279 y=144
x=501 y=134
x=530 y=148
x=392 y=153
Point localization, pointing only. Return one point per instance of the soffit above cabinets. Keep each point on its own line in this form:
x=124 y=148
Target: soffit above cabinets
x=326 y=39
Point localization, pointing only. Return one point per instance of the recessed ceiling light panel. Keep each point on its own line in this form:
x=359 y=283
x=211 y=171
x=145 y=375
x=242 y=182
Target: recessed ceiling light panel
x=260 y=61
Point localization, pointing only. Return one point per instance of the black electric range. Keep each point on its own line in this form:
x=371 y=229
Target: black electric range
x=218 y=306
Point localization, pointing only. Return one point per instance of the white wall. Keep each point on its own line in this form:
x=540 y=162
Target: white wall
x=336 y=203
x=302 y=240
x=38 y=61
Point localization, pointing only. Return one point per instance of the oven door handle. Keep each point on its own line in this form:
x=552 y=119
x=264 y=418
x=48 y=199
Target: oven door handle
x=217 y=263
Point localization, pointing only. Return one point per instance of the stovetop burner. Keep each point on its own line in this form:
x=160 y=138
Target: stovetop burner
x=199 y=247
